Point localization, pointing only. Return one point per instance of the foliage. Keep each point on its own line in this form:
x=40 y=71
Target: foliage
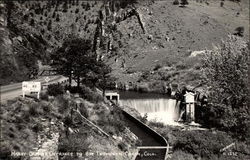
x=84 y=110
x=180 y=155
x=226 y=118
x=144 y=119
x=100 y=76
x=113 y=119
x=86 y=93
x=73 y=144
x=184 y=2
x=239 y=31
x=55 y=89
x=76 y=60
x=176 y=2
x=156 y=124
x=226 y=71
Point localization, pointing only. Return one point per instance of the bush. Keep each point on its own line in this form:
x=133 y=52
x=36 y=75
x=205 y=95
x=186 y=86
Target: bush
x=46 y=108
x=225 y=118
x=123 y=146
x=180 y=155
x=44 y=96
x=226 y=71
x=239 y=31
x=63 y=104
x=33 y=111
x=203 y=143
x=156 y=124
x=184 y=2
x=5 y=151
x=73 y=144
x=37 y=128
x=67 y=121
x=84 y=111
x=55 y=89
x=158 y=66
x=176 y=2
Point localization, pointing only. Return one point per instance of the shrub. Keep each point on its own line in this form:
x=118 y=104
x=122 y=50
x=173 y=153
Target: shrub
x=203 y=143
x=67 y=121
x=46 y=108
x=57 y=18
x=123 y=146
x=226 y=71
x=84 y=111
x=37 y=128
x=180 y=155
x=239 y=31
x=74 y=143
x=55 y=89
x=33 y=111
x=63 y=104
x=77 y=10
x=221 y=4
x=144 y=119
x=86 y=93
x=176 y=2
x=44 y=96
x=156 y=124
x=184 y=2
x=158 y=66
x=5 y=151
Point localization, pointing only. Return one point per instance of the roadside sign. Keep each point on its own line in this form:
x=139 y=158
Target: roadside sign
x=28 y=87
x=47 y=79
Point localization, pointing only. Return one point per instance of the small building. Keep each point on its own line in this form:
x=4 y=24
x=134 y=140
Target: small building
x=190 y=102
x=113 y=96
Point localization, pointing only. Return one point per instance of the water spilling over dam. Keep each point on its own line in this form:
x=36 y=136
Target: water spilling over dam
x=160 y=109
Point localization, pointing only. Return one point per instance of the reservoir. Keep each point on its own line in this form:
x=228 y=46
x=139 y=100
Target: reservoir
x=158 y=107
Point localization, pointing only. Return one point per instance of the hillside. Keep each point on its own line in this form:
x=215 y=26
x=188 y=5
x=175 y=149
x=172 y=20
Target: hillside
x=31 y=30
x=175 y=32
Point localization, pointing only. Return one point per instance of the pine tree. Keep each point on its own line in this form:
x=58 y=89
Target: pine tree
x=184 y=3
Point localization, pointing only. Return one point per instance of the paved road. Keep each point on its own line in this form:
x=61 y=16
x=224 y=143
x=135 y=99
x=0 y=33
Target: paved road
x=11 y=91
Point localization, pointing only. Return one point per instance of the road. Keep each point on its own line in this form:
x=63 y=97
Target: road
x=14 y=90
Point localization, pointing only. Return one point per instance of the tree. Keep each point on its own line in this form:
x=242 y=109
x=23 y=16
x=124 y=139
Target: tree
x=176 y=2
x=49 y=26
x=184 y=2
x=226 y=71
x=57 y=18
x=239 y=31
x=73 y=59
x=76 y=60
x=32 y=22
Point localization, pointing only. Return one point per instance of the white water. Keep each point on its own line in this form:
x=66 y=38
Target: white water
x=160 y=110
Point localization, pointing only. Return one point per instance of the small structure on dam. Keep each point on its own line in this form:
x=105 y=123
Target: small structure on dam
x=189 y=100
x=112 y=95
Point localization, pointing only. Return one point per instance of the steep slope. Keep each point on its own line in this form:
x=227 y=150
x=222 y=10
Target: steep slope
x=146 y=36
x=31 y=30
x=173 y=32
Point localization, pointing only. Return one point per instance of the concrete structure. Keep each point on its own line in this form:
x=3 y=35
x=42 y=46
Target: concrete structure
x=111 y=95
x=190 y=102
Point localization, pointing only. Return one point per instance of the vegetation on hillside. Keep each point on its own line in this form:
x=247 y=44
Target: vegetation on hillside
x=226 y=70
x=25 y=121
